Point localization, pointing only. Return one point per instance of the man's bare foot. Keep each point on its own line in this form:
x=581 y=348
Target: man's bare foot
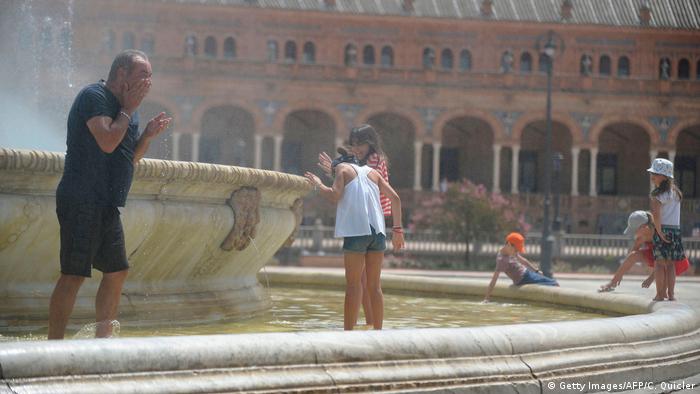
x=657 y=298
x=672 y=298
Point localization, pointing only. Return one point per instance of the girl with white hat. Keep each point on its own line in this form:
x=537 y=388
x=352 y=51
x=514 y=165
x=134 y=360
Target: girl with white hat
x=666 y=209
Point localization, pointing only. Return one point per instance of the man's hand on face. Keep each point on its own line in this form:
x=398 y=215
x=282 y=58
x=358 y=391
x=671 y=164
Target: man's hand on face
x=134 y=94
x=156 y=126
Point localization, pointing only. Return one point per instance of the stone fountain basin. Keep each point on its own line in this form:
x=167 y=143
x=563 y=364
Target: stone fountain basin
x=656 y=342
x=196 y=236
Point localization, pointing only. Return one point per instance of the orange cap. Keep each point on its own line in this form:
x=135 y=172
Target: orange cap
x=517 y=240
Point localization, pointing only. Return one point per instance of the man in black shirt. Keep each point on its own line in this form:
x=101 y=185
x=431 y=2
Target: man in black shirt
x=103 y=145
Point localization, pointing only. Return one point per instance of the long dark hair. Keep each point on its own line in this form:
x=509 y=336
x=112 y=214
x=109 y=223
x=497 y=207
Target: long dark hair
x=367 y=134
x=666 y=185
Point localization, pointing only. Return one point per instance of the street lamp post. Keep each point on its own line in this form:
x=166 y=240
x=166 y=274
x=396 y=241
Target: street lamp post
x=548 y=44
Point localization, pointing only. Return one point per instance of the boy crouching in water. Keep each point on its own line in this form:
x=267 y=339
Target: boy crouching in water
x=517 y=267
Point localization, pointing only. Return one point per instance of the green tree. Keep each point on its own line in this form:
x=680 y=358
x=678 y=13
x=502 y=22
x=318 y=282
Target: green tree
x=467 y=212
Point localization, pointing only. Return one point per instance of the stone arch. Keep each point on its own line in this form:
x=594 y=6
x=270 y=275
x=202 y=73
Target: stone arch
x=162 y=146
x=415 y=119
x=687 y=159
x=306 y=105
x=598 y=127
x=532 y=157
x=492 y=121
x=679 y=127
x=467 y=150
x=623 y=157
x=200 y=109
x=306 y=133
x=227 y=136
x=397 y=133
x=561 y=117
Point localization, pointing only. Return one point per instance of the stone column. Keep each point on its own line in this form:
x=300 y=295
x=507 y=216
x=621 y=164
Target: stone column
x=594 y=168
x=176 y=145
x=278 y=153
x=257 y=157
x=195 y=146
x=653 y=154
x=574 y=170
x=436 y=166
x=672 y=156
x=515 y=167
x=338 y=142
x=496 y=168
x=417 y=157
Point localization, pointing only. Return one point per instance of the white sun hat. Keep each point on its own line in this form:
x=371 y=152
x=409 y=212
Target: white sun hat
x=662 y=167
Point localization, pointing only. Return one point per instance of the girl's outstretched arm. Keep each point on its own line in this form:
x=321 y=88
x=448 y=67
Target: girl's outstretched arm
x=489 y=289
x=334 y=193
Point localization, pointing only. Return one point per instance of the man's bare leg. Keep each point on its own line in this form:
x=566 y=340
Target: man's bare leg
x=62 y=302
x=107 y=302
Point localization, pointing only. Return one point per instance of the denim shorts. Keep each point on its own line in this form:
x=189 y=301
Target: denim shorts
x=535 y=278
x=365 y=243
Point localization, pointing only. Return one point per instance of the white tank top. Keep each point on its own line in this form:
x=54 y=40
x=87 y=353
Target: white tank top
x=670 y=209
x=359 y=207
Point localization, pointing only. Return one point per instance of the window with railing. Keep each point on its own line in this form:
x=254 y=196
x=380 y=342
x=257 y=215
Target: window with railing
x=604 y=66
x=230 y=48
x=368 y=55
x=191 y=45
x=465 y=60
x=623 y=67
x=350 y=55
x=387 y=56
x=210 y=47
x=526 y=63
x=290 y=52
x=309 y=55
x=428 y=58
x=683 y=69
x=272 y=51
x=447 y=59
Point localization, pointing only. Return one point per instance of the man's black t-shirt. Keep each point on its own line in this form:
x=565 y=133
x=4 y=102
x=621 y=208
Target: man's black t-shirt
x=91 y=176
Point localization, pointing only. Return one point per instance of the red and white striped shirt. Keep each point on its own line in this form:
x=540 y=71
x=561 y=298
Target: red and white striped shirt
x=379 y=164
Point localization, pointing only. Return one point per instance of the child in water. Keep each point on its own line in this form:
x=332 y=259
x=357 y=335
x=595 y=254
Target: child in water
x=517 y=267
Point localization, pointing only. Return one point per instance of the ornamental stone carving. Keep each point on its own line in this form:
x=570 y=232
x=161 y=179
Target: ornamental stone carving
x=245 y=203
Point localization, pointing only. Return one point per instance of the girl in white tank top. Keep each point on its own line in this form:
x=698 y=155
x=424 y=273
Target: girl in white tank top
x=360 y=221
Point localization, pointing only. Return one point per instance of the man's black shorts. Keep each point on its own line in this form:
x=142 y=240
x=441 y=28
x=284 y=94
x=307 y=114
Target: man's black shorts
x=91 y=236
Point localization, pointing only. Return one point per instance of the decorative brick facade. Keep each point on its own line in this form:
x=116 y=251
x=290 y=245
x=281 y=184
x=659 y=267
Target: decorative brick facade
x=257 y=85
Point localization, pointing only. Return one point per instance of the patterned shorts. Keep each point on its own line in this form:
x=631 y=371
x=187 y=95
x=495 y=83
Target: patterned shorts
x=672 y=250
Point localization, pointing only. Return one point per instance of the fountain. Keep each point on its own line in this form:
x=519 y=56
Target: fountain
x=197 y=236
x=188 y=228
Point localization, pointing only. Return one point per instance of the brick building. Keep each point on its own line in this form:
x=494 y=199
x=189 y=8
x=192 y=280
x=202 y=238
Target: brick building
x=456 y=88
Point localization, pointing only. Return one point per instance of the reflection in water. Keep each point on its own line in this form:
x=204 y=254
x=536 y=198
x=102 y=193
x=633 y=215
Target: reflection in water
x=301 y=309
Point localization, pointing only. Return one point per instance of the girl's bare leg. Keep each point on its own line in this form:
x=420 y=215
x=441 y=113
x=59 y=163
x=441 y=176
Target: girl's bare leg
x=373 y=264
x=366 y=303
x=630 y=260
x=660 y=276
x=354 y=264
x=671 y=279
